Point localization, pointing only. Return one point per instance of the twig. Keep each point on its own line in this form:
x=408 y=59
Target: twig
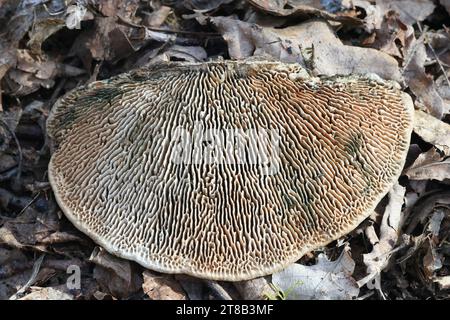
x=28 y=204
x=32 y=280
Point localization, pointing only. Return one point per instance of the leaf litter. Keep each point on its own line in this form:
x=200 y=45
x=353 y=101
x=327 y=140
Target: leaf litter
x=49 y=47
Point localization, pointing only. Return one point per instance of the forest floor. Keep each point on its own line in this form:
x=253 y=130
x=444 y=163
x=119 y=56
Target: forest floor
x=48 y=47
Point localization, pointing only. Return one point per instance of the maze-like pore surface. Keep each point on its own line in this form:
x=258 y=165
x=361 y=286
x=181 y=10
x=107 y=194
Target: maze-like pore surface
x=342 y=144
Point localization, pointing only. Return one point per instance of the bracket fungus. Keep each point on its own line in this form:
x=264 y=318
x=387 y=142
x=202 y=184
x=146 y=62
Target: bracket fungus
x=341 y=144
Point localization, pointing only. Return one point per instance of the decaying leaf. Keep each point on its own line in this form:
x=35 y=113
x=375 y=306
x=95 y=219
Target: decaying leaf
x=326 y=280
x=295 y=8
x=47 y=293
x=429 y=165
x=35 y=71
x=411 y=11
x=329 y=56
x=162 y=287
x=34 y=230
x=390 y=34
x=433 y=131
x=421 y=83
x=254 y=289
x=314 y=40
x=377 y=260
x=425 y=207
x=75 y=14
x=443 y=282
x=245 y=40
x=49 y=47
x=117 y=276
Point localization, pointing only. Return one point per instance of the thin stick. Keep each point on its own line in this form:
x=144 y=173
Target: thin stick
x=32 y=280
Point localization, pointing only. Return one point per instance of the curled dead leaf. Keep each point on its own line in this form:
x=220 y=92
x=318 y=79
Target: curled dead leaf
x=162 y=287
x=429 y=165
x=433 y=131
x=305 y=9
x=326 y=280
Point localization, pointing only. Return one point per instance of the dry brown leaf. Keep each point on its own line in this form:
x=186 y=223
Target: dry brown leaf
x=315 y=40
x=331 y=57
x=157 y=17
x=433 y=131
x=254 y=289
x=33 y=71
x=410 y=11
x=114 y=275
x=377 y=260
x=295 y=8
x=429 y=165
x=390 y=33
x=33 y=230
x=107 y=41
x=245 y=40
x=420 y=83
x=162 y=287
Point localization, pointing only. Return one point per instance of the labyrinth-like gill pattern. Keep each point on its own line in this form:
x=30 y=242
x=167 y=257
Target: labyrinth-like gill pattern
x=342 y=145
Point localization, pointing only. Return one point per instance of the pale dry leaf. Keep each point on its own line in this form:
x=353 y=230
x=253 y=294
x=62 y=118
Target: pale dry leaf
x=246 y=39
x=435 y=222
x=433 y=131
x=47 y=293
x=313 y=8
x=192 y=286
x=377 y=260
x=162 y=287
x=75 y=14
x=374 y=14
x=390 y=34
x=157 y=17
x=34 y=71
x=313 y=43
x=429 y=165
x=331 y=57
x=326 y=280
x=410 y=11
x=421 y=83
x=443 y=282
